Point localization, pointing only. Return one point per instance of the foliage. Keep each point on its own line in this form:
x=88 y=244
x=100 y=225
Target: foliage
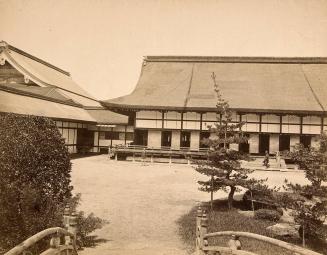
x=310 y=211
x=223 y=165
x=86 y=224
x=222 y=219
x=34 y=177
x=267 y=214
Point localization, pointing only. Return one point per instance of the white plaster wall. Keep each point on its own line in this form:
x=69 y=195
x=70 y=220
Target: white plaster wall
x=254 y=143
x=234 y=146
x=315 y=142
x=154 y=138
x=195 y=140
x=96 y=135
x=294 y=140
x=274 y=143
x=175 y=139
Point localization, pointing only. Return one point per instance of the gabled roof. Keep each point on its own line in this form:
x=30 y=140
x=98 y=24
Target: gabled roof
x=43 y=73
x=247 y=83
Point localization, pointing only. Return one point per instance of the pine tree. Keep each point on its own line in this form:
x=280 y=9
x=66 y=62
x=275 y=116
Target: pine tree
x=223 y=165
x=310 y=211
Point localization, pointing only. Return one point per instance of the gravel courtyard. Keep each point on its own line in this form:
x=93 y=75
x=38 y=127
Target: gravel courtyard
x=142 y=203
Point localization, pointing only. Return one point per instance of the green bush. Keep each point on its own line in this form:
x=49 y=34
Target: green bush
x=35 y=182
x=34 y=177
x=266 y=214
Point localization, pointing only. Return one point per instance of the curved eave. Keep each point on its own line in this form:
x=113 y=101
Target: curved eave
x=117 y=107
x=34 y=78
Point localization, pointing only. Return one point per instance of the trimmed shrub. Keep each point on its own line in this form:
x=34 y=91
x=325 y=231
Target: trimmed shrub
x=267 y=214
x=34 y=177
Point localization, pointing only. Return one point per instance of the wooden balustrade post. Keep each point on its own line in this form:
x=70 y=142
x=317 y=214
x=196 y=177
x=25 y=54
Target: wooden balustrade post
x=234 y=243
x=197 y=231
x=73 y=226
x=133 y=157
x=55 y=241
x=66 y=223
x=203 y=232
x=151 y=158
x=116 y=156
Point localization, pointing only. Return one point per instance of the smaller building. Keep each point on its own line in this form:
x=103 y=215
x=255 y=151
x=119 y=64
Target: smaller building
x=29 y=85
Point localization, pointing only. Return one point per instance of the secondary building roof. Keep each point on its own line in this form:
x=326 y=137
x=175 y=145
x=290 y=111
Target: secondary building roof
x=29 y=85
x=247 y=83
x=44 y=74
x=104 y=116
x=25 y=103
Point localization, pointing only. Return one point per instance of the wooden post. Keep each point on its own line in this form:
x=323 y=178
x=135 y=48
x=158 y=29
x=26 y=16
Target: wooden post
x=197 y=231
x=235 y=243
x=71 y=226
x=203 y=241
x=116 y=156
x=211 y=193
x=303 y=236
x=66 y=223
x=55 y=241
x=133 y=157
x=151 y=158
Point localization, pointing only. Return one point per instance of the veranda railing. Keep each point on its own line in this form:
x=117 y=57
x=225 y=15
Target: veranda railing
x=234 y=245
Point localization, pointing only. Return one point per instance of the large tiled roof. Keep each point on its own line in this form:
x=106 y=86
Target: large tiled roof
x=247 y=83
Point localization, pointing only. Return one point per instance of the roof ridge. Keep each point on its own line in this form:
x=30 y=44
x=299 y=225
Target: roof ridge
x=237 y=59
x=5 y=45
x=311 y=89
x=189 y=87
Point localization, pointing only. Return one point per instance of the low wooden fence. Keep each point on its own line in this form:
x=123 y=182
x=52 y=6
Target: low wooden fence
x=150 y=152
x=57 y=235
x=234 y=245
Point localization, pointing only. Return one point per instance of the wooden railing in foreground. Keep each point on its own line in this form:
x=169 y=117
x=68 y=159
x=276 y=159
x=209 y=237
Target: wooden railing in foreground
x=56 y=235
x=234 y=245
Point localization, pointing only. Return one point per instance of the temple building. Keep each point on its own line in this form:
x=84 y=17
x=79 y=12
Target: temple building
x=282 y=100
x=31 y=86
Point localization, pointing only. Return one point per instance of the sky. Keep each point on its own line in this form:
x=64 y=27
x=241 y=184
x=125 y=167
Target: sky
x=102 y=42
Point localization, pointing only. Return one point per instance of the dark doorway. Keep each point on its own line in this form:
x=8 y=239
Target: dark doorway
x=305 y=140
x=141 y=137
x=244 y=146
x=185 y=139
x=85 y=140
x=263 y=143
x=166 y=138
x=284 y=142
x=204 y=135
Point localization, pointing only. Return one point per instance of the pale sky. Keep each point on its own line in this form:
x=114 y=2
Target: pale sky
x=102 y=43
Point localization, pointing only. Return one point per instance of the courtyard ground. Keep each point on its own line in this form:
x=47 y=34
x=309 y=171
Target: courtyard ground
x=142 y=203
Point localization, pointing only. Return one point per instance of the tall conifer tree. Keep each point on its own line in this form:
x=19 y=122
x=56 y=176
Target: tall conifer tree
x=223 y=164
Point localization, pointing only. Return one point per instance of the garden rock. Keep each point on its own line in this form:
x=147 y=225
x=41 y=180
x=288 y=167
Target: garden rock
x=284 y=230
x=287 y=216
